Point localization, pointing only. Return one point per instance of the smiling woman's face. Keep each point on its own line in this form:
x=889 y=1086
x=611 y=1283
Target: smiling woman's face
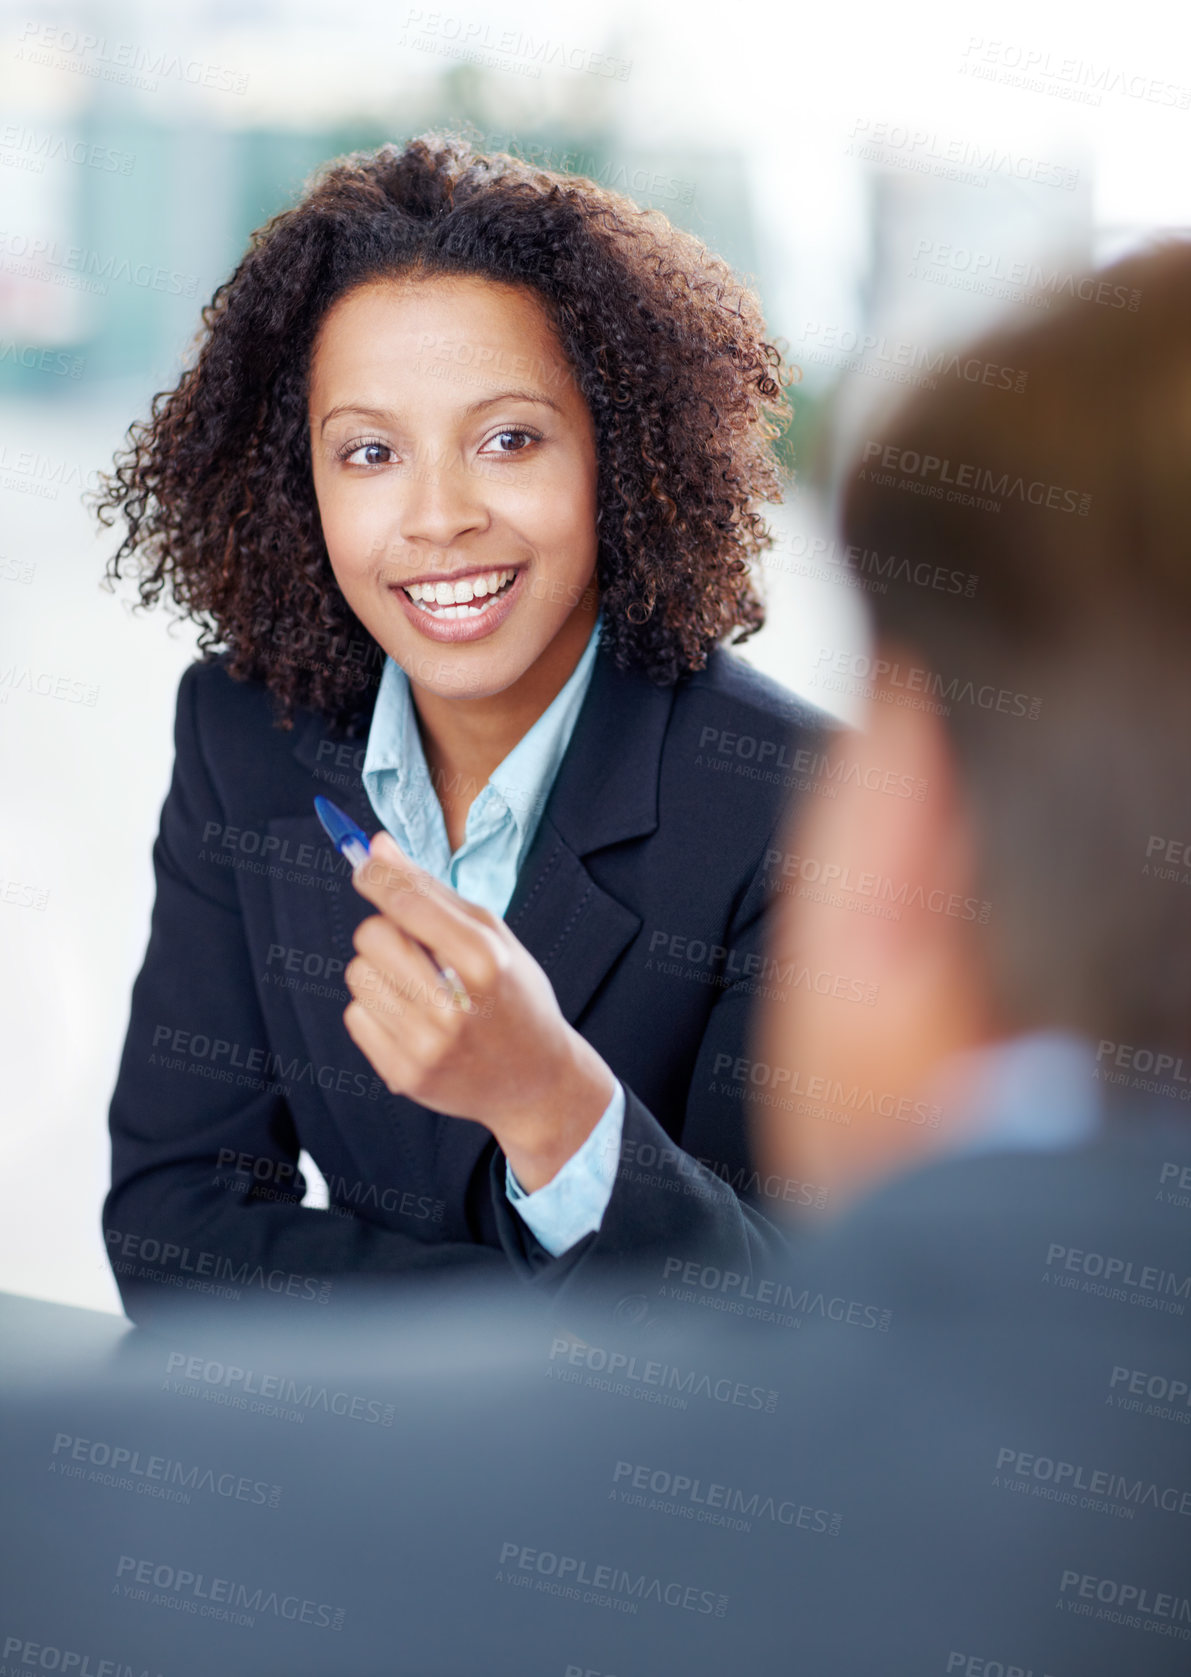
x=455 y=468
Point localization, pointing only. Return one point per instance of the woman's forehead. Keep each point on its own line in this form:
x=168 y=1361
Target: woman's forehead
x=477 y=337
x=463 y=308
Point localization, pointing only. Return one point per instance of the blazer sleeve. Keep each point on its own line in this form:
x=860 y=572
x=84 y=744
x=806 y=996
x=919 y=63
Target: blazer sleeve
x=171 y=1231
x=684 y=1201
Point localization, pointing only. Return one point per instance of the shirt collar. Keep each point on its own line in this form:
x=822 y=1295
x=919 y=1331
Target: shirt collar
x=526 y=775
x=522 y=780
x=1036 y=1091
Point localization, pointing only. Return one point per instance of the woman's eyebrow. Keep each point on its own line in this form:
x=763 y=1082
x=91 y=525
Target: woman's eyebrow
x=351 y=407
x=384 y=414
x=513 y=396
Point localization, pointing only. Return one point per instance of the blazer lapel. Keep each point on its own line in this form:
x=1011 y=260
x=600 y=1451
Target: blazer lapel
x=317 y=920
x=605 y=792
x=572 y=928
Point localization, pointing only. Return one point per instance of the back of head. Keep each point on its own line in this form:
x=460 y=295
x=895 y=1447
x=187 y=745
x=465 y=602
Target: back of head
x=1064 y=674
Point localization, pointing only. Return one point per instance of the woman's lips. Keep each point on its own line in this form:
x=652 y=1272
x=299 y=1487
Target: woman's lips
x=475 y=620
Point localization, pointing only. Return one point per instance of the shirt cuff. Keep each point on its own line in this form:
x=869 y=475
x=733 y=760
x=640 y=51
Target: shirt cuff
x=574 y=1201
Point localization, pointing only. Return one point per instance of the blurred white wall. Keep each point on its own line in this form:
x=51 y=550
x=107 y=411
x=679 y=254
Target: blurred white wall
x=859 y=134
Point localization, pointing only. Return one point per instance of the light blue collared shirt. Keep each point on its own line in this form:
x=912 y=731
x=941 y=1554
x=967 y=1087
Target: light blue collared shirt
x=1036 y=1092
x=499 y=830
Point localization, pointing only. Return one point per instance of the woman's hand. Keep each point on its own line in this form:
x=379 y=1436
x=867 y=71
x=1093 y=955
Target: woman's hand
x=501 y=1053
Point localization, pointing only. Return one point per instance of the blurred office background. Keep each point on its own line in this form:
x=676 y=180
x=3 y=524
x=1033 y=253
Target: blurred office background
x=891 y=177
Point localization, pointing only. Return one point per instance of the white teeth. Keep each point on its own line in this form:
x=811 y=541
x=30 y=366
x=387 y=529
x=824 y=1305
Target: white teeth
x=455 y=599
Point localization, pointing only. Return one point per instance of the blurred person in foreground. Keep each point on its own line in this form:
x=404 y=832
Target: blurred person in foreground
x=1007 y=1130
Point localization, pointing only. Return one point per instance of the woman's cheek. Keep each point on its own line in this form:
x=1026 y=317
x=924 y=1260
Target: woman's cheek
x=356 y=538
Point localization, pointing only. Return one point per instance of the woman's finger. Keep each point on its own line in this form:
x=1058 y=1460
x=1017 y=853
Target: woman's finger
x=456 y=934
x=390 y=949
x=382 y=1051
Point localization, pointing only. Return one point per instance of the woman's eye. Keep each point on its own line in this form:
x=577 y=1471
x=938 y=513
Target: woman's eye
x=368 y=454
x=512 y=441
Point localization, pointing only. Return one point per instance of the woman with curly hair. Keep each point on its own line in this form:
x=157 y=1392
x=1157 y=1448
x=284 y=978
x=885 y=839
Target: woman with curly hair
x=461 y=487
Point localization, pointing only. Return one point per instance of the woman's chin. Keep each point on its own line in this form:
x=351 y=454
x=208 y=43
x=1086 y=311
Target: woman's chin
x=461 y=674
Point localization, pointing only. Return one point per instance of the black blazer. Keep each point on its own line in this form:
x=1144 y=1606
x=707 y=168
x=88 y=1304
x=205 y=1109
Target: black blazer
x=642 y=897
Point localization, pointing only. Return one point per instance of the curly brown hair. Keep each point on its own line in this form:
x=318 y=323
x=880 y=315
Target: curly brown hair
x=668 y=349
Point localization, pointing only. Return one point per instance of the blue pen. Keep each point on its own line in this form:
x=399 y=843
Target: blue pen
x=349 y=840
x=352 y=843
